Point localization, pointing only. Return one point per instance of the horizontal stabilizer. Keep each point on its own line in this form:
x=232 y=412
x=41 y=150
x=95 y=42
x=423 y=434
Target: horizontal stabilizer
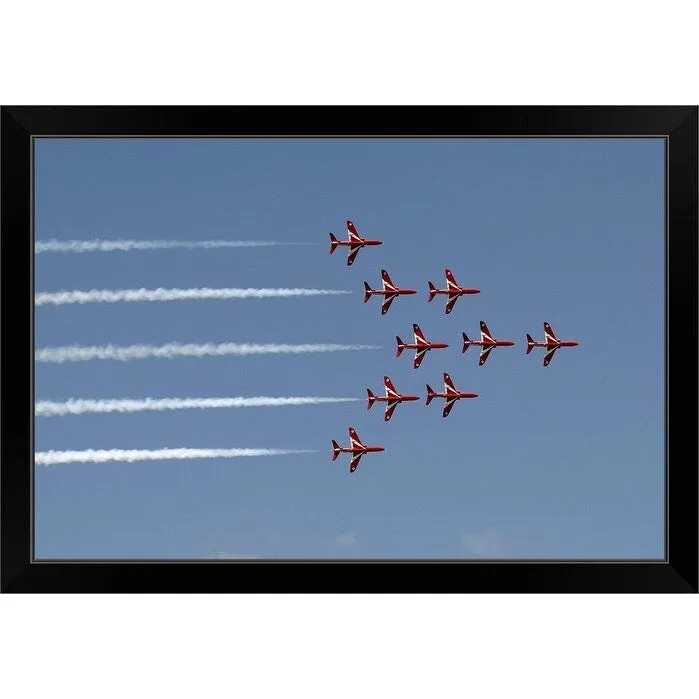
x=467 y=343
x=371 y=397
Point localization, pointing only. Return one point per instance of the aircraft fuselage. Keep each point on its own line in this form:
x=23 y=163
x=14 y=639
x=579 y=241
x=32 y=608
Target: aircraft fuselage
x=426 y=346
x=457 y=394
x=393 y=292
x=358 y=243
x=394 y=399
x=558 y=343
x=455 y=292
x=360 y=450
x=491 y=343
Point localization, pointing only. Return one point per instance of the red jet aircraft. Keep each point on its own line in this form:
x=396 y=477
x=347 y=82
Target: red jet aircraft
x=453 y=291
x=487 y=342
x=451 y=395
x=392 y=398
x=421 y=346
x=356 y=448
x=388 y=290
x=354 y=242
x=551 y=343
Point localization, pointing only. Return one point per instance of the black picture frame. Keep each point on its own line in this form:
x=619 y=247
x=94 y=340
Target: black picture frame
x=677 y=573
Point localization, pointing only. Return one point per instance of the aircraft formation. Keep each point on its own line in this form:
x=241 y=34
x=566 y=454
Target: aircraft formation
x=453 y=291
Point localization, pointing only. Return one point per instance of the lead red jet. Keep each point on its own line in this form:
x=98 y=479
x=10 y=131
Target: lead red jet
x=421 y=346
x=551 y=343
x=453 y=291
x=451 y=395
x=354 y=242
x=392 y=398
x=356 y=448
x=388 y=290
x=487 y=342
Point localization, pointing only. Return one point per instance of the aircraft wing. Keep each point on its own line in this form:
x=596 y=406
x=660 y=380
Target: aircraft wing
x=390 y=388
x=450 y=302
x=448 y=406
x=387 y=303
x=352 y=232
x=354 y=249
x=418 y=335
x=549 y=355
x=419 y=356
x=390 y=407
x=354 y=438
x=386 y=281
x=355 y=462
x=485 y=353
x=548 y=332
x=485 y=333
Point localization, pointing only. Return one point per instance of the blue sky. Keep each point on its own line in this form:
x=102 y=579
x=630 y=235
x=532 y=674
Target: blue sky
x=557 y=462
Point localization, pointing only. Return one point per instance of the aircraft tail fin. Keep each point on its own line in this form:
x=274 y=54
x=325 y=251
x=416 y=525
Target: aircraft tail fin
x=467 y=343
x=530 y=343
x=336 y=449
x=371 y=397
x=368 y=291
x=401 y=346
x=430 y=394
x=433 y=291
x=333 y=243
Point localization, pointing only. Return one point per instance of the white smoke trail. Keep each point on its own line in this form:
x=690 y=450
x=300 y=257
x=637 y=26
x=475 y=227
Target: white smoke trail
x=75 y=353
x=73 y=406
x=126 y=245
x=51 y=458
x=60 y=298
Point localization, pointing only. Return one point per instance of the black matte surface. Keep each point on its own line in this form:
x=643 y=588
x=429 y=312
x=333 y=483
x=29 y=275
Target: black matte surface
x=678 y=574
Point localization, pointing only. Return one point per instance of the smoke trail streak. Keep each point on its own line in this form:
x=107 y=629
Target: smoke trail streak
x=75 y=353
x=73 y=406
x=51 y=458
x=126 y=245
x=60 y=298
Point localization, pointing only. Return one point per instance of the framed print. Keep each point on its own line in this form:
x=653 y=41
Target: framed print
x=318 y=348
